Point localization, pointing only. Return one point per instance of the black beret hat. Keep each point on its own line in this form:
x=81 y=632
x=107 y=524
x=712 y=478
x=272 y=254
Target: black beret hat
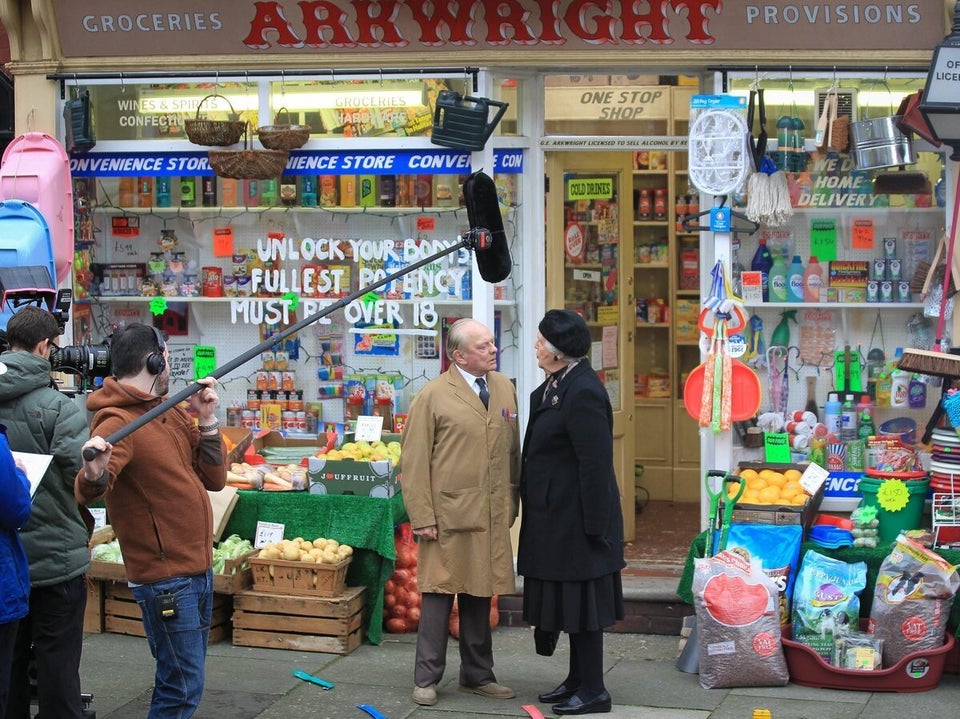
x=567 y=331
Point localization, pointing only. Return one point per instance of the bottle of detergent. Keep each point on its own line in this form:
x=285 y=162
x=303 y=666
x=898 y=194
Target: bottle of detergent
x=778 y=280
x=795 y=280
x=813 y=280
x=832 y=410
x=762 y=262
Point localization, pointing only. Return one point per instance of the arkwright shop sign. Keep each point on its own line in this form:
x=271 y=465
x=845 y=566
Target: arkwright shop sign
x=244 y=27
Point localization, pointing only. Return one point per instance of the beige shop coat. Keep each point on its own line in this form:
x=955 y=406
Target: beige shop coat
x=461 y=472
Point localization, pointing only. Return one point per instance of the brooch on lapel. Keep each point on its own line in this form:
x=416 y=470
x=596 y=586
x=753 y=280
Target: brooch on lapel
x=554 y=401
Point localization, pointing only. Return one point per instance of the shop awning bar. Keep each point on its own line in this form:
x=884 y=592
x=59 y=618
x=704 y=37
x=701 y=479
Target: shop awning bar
x=217 y=75
x=839 y=69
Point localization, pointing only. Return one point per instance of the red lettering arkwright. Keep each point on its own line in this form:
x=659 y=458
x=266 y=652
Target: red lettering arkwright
x=375 y=23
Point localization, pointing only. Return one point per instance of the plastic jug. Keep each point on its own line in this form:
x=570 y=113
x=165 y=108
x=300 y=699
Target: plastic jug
x=812 y=280
x=795 y=280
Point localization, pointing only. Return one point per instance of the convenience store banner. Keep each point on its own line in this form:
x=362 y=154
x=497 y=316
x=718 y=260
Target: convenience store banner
x=301 y=162
x=101 y=28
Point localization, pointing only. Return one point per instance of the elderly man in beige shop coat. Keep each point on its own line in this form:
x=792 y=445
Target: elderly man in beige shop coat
x=461 y=473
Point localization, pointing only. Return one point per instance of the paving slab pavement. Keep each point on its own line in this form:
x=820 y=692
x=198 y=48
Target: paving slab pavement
x=254 y=683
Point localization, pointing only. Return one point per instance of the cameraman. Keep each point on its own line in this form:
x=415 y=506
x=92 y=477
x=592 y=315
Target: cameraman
x=154 y=482
x=41 y=420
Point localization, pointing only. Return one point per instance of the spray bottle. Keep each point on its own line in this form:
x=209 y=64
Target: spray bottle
x=781 y=333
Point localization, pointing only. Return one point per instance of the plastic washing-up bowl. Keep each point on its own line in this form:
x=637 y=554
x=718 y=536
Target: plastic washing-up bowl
x=905 y=428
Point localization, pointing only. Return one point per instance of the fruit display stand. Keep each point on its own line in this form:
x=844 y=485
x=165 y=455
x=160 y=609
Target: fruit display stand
x=365 y=523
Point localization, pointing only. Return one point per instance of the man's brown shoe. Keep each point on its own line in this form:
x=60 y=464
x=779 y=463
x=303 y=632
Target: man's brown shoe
x=491 y=691
x=425 y=696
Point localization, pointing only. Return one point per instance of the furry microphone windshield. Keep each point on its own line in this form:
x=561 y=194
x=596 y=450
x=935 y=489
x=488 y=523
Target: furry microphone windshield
x=483 y=214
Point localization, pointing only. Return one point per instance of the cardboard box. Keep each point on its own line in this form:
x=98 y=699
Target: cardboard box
x=241 y=438
x=365 y=479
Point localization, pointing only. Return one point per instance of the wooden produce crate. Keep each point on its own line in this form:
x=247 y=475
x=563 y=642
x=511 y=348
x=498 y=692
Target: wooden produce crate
x=302 y=578
x=93 y=612
x=107 y=571
x=235 y=576
x=311 y=624
x=122 y=613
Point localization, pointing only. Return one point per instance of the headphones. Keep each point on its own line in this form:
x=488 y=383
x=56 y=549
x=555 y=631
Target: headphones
x=156 y=362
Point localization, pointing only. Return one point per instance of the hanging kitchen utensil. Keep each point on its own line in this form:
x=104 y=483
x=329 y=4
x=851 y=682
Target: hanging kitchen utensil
x=876 y=357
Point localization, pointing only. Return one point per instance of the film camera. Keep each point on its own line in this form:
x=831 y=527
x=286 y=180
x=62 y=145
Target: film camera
x=86 y=363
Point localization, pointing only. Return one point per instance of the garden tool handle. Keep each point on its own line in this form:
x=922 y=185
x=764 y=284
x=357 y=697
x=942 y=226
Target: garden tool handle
x=729 y=505
x=714 y=506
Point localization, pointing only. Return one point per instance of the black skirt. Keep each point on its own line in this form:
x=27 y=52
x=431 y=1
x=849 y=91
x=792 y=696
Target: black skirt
x=573 y=606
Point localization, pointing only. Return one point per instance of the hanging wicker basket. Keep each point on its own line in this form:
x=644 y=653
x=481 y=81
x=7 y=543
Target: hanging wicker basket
x=215 y=133
x=280 y=136
x=247 y=164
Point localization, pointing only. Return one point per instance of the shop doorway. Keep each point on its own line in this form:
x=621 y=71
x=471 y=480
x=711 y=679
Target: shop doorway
x=589 y=216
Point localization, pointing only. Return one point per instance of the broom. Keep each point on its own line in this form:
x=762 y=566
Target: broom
x=937 y=362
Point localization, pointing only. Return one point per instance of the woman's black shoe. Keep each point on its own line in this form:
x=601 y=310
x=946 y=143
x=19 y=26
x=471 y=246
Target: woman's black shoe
x=560 y=694
x=575 y=705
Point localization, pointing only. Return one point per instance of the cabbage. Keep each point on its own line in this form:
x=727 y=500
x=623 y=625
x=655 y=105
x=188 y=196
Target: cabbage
x=109 y=552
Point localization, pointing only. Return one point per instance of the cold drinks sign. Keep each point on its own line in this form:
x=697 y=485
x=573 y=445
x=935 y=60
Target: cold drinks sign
x=192 y=27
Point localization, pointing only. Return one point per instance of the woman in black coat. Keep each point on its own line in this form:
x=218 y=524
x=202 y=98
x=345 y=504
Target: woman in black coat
x=571 y=534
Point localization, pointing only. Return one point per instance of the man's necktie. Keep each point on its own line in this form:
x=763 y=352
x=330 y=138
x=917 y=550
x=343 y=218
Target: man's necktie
x=484 y=394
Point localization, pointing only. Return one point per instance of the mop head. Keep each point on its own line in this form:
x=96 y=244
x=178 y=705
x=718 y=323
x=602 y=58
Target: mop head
x=768 y=199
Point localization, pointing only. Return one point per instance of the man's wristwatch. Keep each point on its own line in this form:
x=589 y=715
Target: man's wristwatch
x=209 y=427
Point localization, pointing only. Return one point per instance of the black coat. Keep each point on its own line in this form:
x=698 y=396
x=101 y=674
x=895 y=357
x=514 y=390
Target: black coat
x=571 y=523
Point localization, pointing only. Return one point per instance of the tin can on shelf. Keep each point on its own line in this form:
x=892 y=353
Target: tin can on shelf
x=211 y=281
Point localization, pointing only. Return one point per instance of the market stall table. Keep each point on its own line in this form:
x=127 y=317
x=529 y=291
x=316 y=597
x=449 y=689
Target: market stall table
x=365 y=523
x=872 y=557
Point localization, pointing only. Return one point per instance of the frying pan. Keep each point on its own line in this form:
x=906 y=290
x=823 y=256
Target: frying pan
x=744 y=398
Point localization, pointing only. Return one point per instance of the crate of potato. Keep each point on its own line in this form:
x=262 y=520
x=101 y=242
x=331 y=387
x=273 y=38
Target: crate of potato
x=315 y=568
x=773 y=495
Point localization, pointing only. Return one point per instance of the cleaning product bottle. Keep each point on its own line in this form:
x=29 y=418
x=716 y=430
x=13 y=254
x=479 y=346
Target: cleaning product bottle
x=866 y=428
x=778 y=280
x=849 y=430
x=762 y=262
x=795 y=280
x=917 y=392
x=884 y=387
x=899 y=388
x=831 y=413
x=812 y=280
x=781 y=333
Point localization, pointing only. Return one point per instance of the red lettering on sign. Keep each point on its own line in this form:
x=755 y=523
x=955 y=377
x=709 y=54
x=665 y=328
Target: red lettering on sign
x=383 y=17
x=375 y=23
x=458 y=27
x=319 y=16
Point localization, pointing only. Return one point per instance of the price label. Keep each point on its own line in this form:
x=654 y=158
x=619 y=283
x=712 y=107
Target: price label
x=222 y=241
x=267 y=533
x=426 y=224
x=125 y=226
x=862 y=235
x=204 y=361
x=823 y=239
x=776 y=447
x=99 y=517
x=369 y=428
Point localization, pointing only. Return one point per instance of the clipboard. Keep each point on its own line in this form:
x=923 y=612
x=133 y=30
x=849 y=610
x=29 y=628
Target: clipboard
x=222 y=503
x=35 y=466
